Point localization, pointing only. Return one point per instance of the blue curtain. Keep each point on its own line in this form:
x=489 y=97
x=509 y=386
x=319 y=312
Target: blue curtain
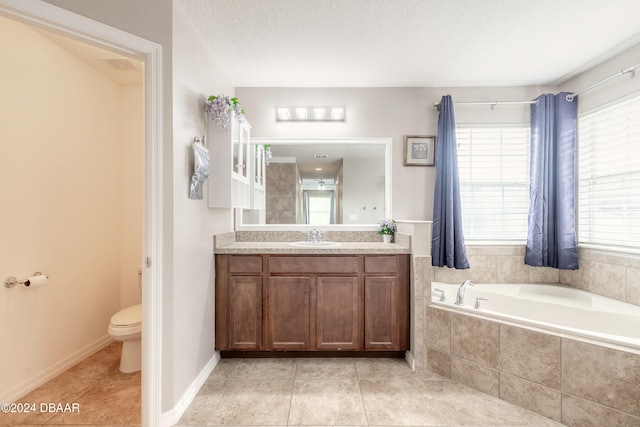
x=551 y=239
x=447 y=243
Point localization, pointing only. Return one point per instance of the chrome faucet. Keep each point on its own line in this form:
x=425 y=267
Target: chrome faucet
x=461 y=289
x=314 y=236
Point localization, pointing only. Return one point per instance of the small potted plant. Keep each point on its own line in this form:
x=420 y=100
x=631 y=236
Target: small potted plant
x=387 y=229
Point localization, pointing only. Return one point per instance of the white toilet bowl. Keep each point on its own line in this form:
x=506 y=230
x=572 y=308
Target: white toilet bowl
x=126 y=326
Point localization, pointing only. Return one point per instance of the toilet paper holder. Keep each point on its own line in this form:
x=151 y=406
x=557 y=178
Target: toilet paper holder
x=11 y=281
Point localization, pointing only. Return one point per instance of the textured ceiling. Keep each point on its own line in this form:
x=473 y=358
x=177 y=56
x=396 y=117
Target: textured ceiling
x=361 y=43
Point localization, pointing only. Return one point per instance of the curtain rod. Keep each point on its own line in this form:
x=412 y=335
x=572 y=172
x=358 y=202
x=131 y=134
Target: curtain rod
x=631 y=70
x=492 y=103
x=570 y=97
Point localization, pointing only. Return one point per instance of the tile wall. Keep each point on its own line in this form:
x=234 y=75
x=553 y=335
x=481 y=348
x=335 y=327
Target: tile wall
x=497 y=264
x=612 y=275
x=421 y=276
x=281 y=193
x=608 y=274
x=576 y=383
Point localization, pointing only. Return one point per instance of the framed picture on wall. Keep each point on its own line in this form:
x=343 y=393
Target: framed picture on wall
x=419 y=150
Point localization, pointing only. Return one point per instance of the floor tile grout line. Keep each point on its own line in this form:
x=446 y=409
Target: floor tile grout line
x=224 y=391
x=364 y=405
x=293 y=388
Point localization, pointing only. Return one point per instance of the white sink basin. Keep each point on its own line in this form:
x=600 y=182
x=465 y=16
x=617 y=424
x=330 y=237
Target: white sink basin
x=319 y=245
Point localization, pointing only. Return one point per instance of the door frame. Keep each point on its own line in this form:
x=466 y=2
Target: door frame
x=70 y=24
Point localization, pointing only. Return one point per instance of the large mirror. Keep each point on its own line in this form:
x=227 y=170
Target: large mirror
x=324 y=182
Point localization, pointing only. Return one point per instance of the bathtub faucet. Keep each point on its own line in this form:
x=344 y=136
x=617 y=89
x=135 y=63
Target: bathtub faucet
x=461 y=289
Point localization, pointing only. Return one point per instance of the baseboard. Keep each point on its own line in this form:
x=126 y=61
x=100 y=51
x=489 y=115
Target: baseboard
x=172 y=417
x=410 y=360
x=47 y=374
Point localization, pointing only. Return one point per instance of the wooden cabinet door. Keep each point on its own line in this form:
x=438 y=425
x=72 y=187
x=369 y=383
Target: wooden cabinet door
x=245 y=312
x=381 y=313
x=337 y=313
x=288 y=313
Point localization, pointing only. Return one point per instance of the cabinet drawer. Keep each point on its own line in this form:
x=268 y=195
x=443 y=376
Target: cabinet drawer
x=381 y=264
x=245 y=264
x=313 y=264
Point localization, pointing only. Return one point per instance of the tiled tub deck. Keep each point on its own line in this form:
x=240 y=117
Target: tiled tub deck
x=576 y=382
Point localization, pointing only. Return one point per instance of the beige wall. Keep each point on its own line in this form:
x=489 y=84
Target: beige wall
x=189 y=306
x=71 y=149
x=132 y=192
x=363 y=184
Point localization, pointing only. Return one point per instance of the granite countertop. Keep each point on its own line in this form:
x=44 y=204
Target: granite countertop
x=286 y=248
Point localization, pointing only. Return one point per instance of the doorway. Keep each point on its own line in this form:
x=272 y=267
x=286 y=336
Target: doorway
x=45 y=16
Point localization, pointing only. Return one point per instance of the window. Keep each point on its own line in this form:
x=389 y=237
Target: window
x=319 y=207
x=494 y=182
x=609 y=175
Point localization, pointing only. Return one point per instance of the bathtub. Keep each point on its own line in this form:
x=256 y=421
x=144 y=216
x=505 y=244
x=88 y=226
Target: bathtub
x=558 y=309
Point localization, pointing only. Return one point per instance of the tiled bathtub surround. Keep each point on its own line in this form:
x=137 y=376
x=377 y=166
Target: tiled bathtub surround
x=497 y=264
x=577 y=383
x=608 y=274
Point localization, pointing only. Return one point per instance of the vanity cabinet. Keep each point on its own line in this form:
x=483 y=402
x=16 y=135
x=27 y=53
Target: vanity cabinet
x=230 y=178
x=312 y=302
x=337 y=313
x=243 y=296
x=245 y=312
x=381 y=313
x=288 y=313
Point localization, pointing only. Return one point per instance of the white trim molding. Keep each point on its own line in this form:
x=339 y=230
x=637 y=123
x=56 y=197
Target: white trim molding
x=41 y=377
x=173 y=416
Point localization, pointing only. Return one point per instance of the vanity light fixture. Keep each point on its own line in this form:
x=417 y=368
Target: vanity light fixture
x=310 y=114
x=283 y=114
x=301 y=114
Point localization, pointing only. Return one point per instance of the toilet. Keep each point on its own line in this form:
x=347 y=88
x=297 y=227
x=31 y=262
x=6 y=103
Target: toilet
x=126 y=326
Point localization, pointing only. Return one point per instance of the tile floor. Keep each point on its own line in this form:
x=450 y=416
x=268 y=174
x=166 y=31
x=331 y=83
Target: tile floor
x=105 y=396
x=278 y=392
x=353 y=392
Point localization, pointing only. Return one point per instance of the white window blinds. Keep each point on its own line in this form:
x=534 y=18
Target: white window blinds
x=494 y=182
x=609 y=175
